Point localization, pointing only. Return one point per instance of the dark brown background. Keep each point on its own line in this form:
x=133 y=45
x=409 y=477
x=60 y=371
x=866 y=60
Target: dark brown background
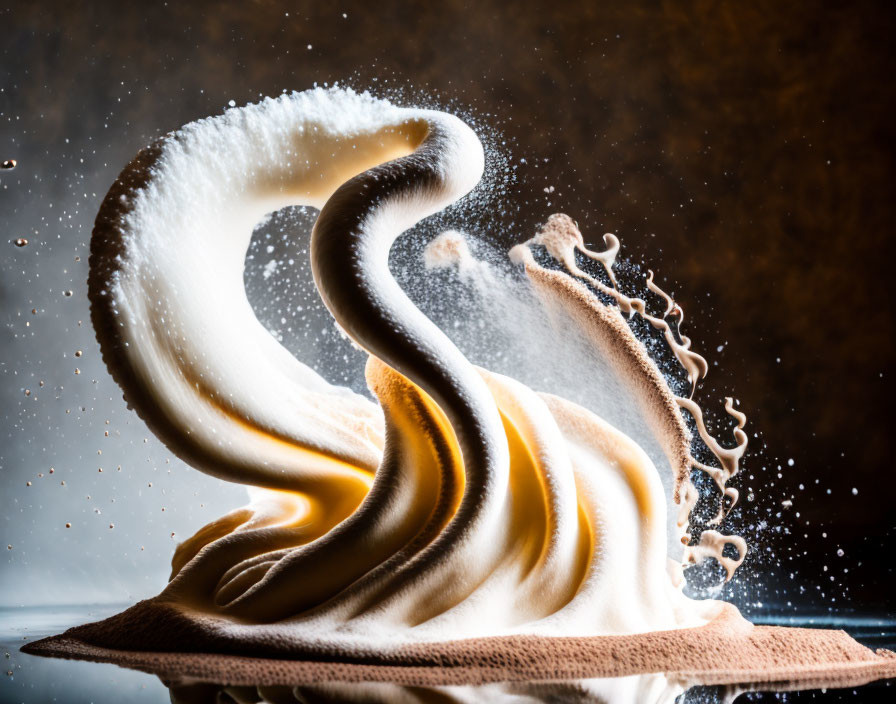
x=743 y=149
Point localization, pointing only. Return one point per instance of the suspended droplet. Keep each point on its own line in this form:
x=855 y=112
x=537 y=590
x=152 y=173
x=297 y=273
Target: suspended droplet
x=10 y=164
x=21 y=242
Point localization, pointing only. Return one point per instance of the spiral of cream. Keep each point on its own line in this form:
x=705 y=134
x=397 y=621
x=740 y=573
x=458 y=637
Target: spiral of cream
x=464 y=504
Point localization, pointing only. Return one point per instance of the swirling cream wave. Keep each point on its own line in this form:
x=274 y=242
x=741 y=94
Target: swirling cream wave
x=465 y=504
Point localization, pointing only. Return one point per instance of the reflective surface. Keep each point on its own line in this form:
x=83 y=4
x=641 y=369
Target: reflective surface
x=28 y=679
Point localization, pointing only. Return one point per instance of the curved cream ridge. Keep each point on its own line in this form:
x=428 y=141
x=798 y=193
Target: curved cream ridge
x=465 y=504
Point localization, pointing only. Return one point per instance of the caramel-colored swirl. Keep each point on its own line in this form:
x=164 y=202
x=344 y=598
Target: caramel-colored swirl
x=463 y=504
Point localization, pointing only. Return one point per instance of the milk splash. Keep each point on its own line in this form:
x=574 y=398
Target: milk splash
x=463 y=504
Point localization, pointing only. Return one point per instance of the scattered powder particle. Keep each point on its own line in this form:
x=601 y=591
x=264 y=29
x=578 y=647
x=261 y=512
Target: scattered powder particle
x=269 y=269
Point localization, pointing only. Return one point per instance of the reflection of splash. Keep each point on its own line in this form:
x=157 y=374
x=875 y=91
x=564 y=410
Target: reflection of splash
x=635 y=689
x=642 y=689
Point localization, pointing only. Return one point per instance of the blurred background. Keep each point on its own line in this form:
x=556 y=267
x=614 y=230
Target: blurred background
x=744 y=151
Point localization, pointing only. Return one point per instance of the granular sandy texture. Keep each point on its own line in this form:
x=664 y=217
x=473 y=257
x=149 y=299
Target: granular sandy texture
x=606 y=328
x=727 y=650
